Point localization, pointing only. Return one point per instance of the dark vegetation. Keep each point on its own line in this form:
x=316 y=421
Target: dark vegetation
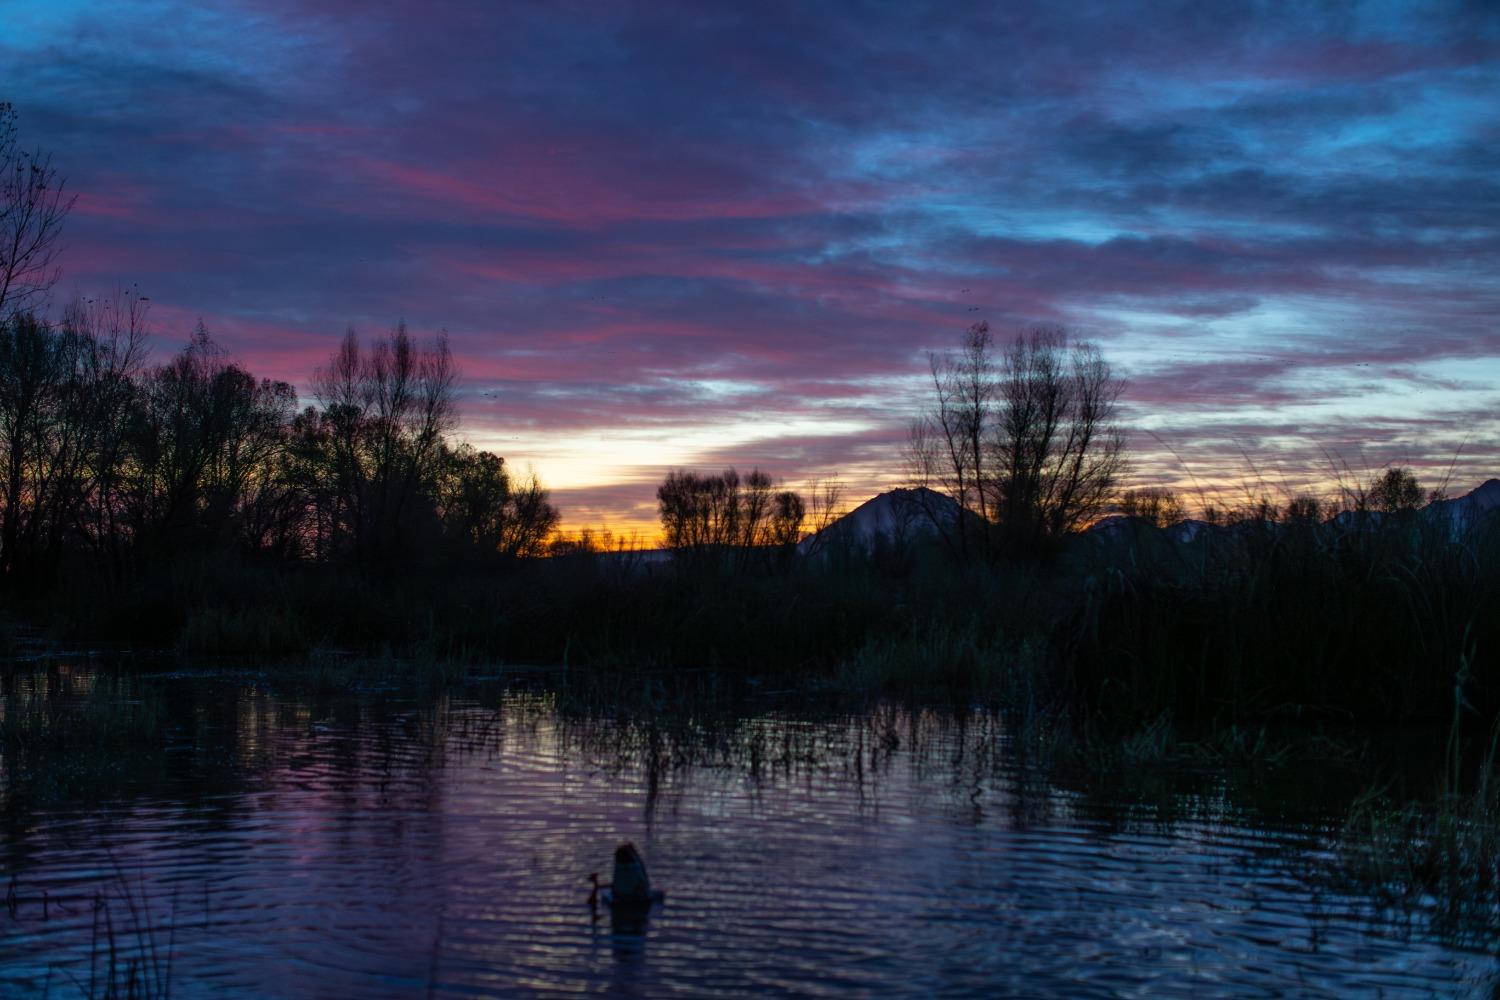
x=189 y=504
x=121 y=472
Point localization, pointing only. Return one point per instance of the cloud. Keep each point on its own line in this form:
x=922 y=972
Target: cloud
x=670 y=221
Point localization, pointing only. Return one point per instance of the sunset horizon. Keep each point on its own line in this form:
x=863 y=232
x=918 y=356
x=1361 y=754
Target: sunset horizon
x=666 y=238
x=709 y=498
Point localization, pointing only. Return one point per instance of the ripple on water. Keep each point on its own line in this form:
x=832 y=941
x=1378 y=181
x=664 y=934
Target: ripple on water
x=389 y=849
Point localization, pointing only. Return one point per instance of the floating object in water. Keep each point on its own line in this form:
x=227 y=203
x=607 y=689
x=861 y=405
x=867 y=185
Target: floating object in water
x=606 y=895
x=630 y=894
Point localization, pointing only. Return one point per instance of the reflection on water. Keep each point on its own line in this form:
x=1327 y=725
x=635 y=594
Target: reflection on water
x=370 y=846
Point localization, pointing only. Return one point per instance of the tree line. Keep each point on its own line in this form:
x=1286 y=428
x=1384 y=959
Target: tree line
x=128 y=463
x=1393 y=490
x=734 y=521
x=120 y=463
x=1022 y=438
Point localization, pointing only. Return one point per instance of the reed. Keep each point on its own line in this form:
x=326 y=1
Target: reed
x=1262 y=623
x=1438 y=856
x=48 y=709
x=1288 y=621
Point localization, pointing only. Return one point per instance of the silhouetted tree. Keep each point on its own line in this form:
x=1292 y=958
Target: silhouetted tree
x=63 y=398
x=725 y=517
x=1059 y=454
x=1028 y=442
x=951 y=445
x=33 y=204
x=206 y=437
x=39 y=402
x=788 y=511
x=479 y=503
x=532 y=519
x=1304 y=509
x=112 y=334
x=1160 y=507
x=1396 y=490
x=384 y=414
x=98 y=455
x=696 y=510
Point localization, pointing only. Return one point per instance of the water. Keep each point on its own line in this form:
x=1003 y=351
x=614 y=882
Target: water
x=368 y=845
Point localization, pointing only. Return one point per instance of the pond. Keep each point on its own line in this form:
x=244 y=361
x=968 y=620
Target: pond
x=376 y=844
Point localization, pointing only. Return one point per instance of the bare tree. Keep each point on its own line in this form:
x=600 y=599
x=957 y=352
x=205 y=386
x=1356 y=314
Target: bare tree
x=698 y=511
x=37 y=365
x=113 y=332
x=1028 y=443
x=825 y=503
x=64 y=397
x=1059 y=452
x=1160 y=507
x=385 y=412
x=949 y=446
x=824 y=506
x=33 y=204
x=725 y=518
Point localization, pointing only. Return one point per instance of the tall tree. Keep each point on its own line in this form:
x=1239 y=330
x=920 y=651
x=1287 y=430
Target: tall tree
x=1027 y=442
x=33 y=204
x=204 y=431
x=64 y=398
x=385 y=411
x=950 y=446
x=1059 y=452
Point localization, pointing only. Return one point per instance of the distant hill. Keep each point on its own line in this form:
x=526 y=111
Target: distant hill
x=901 y=517
x=1460 y=512
x=895 y=518
x=1468 y=509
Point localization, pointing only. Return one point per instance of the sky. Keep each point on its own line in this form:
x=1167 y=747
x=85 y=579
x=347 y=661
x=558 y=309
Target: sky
x=689 y=234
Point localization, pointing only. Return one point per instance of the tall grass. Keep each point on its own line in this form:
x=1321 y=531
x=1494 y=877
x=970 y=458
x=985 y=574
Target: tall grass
x=1289 y=620
x=1440 y=855
x=130 y=955
x=51 y=709
x=1264 y=621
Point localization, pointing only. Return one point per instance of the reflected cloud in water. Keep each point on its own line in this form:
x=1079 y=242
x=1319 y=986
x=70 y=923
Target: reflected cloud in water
x=371 y=845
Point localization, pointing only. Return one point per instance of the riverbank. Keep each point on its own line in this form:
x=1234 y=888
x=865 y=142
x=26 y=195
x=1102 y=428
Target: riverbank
x=1372 y=623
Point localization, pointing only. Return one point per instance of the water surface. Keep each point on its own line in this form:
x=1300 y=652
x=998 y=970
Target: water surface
x=372 y=845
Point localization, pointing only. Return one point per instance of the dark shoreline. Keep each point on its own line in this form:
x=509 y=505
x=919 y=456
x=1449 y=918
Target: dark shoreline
x=1305 y=622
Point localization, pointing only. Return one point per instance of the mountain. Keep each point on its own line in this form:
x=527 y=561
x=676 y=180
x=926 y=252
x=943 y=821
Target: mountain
x=1467 y=510
x=895 y=518
x=902 y=517
x=1460 y=512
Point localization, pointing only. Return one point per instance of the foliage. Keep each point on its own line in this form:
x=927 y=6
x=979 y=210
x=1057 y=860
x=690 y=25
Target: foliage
x=480 y=505
x=111 y=468
x=1396 y=490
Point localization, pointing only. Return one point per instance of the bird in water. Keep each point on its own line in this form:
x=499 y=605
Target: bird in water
x=631 y=887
